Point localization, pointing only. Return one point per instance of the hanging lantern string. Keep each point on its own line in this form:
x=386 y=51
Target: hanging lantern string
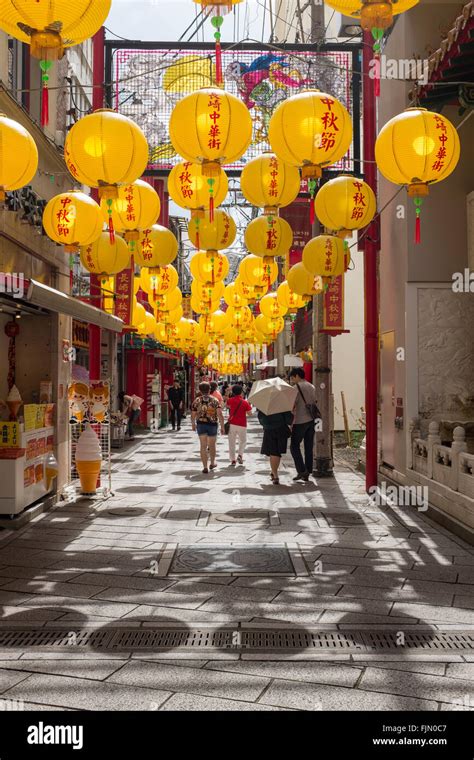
x=377 y=34
x=216 y=22
x=45 y=67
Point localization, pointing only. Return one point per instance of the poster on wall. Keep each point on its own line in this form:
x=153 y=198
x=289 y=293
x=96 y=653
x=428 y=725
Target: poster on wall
x=89 y=402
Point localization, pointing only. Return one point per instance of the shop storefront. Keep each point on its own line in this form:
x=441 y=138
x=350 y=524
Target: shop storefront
x=37 y=357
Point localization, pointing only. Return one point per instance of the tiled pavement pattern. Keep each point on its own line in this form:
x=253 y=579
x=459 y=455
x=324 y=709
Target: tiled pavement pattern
x=91 y=563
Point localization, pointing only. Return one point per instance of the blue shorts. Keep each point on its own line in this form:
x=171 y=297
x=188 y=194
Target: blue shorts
x=207 y=428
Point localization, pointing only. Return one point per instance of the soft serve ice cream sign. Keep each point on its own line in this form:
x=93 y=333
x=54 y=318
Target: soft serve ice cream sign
x=88 y=460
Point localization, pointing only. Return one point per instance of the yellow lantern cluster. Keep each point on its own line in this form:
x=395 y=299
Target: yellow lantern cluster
x=18 y=156
x=209 y=266
x=271 y=307
x=257 y=271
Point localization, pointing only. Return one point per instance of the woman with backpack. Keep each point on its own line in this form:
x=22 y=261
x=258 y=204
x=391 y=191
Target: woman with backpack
x=206 y=415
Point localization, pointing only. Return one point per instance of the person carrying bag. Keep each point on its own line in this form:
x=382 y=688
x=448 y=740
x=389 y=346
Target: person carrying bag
x=306 y=413
x=236 y=425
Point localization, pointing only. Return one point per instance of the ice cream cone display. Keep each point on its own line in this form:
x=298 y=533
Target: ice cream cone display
x=14 y=402
x=88 y=460
x=51 y=470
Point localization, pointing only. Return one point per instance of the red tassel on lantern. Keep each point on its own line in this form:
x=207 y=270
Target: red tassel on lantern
x=311 y=210
x=418 y=230
x=218 y=63
x=45 y=106
x=111 y=231
x=211 y=208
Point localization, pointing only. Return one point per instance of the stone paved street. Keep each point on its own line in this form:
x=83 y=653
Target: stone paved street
x=126 y=562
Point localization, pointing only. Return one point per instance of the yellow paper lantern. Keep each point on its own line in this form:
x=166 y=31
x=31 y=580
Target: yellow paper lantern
x=104 y=150
x=232 y=297
x=72 y=219
x=372 y=13
x=303 y=282
x=210 y=266
x=271 y=307
x=417 y=148
x=104 y=257
x=215 y=324
x=137 y=207
x=168 y=301
x=138 y=314
x=245 y=290
x=169 y=317
x=204 y=306
x=258 y=271
x=270 y=326
x=210 y=127
x=324 y=256
x=18 y=156
x=156 y=247
x=107 y=286
x=269 y=183
x=190 y=188
x=345 y=204
x=239 y=317
x=291 y=301
x=206 y=291
x=213 y=235
x=161 y=280
x=312 y=130
x=150 y=325
x=48 y=27
x=268 y=236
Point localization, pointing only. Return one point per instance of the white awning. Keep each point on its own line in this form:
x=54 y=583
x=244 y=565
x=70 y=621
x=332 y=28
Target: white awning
x=54 y=300
x=265 y=365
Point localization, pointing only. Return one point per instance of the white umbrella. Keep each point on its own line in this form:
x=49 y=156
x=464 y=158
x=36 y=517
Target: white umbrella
x=273 y=395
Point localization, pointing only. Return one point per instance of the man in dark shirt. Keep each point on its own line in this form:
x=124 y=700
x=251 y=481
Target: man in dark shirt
x=176 y=404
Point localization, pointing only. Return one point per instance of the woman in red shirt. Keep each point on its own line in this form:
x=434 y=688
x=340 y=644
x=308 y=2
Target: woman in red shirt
x=239 y=409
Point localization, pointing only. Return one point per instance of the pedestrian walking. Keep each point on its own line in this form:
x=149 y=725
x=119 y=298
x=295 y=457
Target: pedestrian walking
x=206 y=415
x=239 y=409
x=215 y=392
x=130 y=406
x=176 y=404
x=276 y=431
x=305 y=411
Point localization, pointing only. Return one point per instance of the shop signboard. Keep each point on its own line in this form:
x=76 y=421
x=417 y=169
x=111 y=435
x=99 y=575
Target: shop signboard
x=333 y=318
x=124 y=295
x=9 y=434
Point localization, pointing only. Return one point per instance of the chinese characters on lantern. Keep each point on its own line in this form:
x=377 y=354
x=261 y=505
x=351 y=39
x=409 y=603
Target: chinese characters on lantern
x=273 y=186
x=147 y=246
x=130 y=210
x=271 y=236
x=65 y=217
x=329 y=256
x=442 y=139
x=359 y=201
x=185 y=184
x=328 y=137
x=225 y=233
x=214 y=129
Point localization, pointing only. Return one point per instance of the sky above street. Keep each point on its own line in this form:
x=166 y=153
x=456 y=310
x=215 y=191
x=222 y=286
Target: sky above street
x=167 y=20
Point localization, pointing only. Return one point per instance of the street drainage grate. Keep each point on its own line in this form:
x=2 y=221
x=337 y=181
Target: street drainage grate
x=258 y=641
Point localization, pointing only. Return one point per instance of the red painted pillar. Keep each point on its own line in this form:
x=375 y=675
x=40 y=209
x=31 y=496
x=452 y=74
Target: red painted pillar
x=98 y=50
x=371 y=249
